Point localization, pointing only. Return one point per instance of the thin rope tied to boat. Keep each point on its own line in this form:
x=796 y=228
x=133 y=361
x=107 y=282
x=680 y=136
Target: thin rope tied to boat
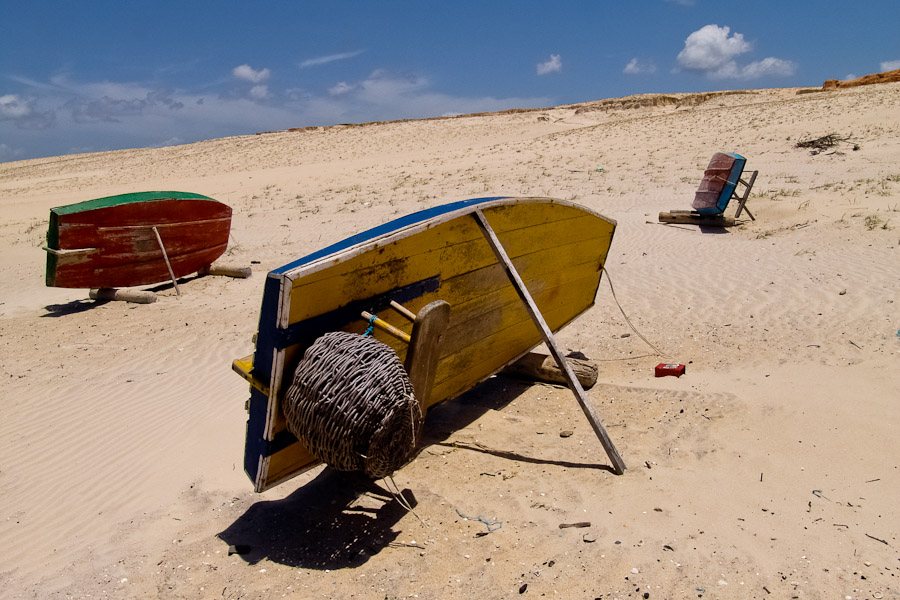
x=352 y=405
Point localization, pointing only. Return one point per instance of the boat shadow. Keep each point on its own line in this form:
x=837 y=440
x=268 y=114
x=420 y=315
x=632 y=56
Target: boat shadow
x=320 y=525
x=446 y=419
x=71 y=308
x=85 y=304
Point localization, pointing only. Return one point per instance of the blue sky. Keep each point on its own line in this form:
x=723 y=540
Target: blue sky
x=105 y=75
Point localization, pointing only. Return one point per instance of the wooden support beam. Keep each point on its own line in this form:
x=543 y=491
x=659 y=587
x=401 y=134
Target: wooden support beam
x=617 y=462
x=168 y=264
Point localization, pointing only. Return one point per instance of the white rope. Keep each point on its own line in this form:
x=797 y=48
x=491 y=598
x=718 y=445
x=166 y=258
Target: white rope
x=627 y=320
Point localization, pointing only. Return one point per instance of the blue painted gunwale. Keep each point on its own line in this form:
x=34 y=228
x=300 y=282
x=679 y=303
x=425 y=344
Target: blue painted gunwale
x=386 y=228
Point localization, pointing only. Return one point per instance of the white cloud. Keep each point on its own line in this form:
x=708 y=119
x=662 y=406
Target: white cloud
x=172 y=141
x=890 y=65
x=321 y=60
x=24 y=113
x=767 y=67
x=340 y=88
x=636 y=67
x=247 y=73
x=259 y=92
x=12 y=107
x=712 y=50
x=96 y=116
x=554 y=65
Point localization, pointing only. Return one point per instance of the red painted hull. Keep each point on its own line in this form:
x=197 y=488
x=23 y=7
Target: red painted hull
x=115 y=246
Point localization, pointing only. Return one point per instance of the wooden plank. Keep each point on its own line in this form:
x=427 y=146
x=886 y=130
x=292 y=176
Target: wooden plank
x=547 y=334
x=448 y=250
x=424 y=348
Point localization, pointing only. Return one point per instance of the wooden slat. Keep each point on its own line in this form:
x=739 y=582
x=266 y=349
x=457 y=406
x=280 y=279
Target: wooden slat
x=450 y=250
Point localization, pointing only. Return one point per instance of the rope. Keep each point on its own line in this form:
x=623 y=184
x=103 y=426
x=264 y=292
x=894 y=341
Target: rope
x=492 y=524
x=627 y=320
x=371 y=326
x=398 y=496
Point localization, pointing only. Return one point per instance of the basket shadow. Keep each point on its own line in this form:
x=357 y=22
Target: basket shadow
x=319 y=525
x=322 y=526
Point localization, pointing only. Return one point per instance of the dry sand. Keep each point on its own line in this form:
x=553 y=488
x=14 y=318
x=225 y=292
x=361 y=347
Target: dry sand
x=770 y=470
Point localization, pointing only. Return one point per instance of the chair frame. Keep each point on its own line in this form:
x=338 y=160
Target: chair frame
x=742 y=198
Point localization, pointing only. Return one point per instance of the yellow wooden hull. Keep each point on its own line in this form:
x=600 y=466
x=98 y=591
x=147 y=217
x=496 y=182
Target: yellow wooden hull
x=557 y=247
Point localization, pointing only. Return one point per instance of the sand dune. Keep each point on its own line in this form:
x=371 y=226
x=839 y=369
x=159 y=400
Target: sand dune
x=769 y=470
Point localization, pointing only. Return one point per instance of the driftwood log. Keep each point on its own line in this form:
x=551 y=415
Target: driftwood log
x=226 y=271
x=691 y=217
x=135 y=296
x=543 y=367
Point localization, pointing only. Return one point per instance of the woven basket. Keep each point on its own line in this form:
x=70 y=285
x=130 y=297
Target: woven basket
x=352 y=405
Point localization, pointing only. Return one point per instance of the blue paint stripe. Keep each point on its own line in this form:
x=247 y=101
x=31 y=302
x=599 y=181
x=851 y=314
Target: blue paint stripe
x=405 y=221
x=736 y=169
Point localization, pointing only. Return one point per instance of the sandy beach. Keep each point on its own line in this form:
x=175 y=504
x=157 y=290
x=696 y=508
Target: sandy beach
x=769 y=470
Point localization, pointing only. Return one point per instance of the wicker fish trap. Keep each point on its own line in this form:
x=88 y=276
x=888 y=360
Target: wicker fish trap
x=352 y=405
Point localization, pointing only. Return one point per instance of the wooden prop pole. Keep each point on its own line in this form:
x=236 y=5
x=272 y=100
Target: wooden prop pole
x=403 y=310
x=168 y=264
x=385 y=326
x=550 y=341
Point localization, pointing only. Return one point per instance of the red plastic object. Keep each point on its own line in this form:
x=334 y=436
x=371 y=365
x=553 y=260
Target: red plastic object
x=663 y=369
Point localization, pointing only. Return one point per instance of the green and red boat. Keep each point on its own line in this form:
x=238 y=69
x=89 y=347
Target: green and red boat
x=124 y=240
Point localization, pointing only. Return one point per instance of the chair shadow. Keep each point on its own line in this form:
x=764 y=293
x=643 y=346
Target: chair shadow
x=714 y=229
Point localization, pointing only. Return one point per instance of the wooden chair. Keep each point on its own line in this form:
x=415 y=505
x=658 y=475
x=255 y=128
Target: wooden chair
x=719 y=185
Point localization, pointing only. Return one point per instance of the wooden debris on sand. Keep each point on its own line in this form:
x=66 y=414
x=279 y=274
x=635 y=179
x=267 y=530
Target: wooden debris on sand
x=826 y=142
